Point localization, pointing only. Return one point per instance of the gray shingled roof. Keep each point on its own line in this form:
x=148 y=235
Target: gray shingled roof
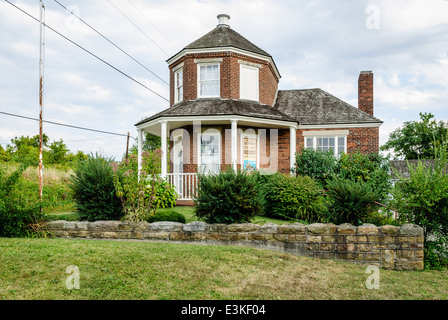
x=217 y=107
x=315 y=106
x=223 y=36
x=306 y=107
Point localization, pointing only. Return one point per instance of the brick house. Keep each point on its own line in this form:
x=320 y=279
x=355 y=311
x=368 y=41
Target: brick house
x=226 y=110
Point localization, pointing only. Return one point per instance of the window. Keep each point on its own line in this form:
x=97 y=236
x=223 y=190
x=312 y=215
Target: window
x=337 y=143
x=249 y=82
x=178 y=86
x=210 y=152
x=208 y=80
x=249 y=154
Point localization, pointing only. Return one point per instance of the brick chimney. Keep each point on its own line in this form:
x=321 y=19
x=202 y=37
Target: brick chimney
x=365 y=92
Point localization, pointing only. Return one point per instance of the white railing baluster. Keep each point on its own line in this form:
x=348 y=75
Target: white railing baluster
x=184 y=183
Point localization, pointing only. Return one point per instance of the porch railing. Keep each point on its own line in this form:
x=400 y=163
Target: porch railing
x=184 y=183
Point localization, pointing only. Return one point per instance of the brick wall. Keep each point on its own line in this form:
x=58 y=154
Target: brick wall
x=388 y=247
x=364 y=140
x=229 y=77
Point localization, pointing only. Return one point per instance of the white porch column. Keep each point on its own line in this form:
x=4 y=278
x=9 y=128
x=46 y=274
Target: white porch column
x=234 y=143
x=163 y=136
x=292 y=146
x=139 y=149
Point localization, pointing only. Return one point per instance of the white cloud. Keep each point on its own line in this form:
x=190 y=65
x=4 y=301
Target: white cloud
x=314 y=44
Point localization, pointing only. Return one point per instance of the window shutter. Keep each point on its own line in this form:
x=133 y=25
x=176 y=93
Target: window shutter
x=248 y=82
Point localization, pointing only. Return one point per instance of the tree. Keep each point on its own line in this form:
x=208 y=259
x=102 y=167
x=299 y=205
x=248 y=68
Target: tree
x=150 y=142
x=418 y=139
x=57 y=153
x=26 y=150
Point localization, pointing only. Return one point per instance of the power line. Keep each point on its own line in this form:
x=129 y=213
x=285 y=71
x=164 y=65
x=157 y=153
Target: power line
x=144 y=33
x=89 y=52
x=64 y=125
x=116 y=46
x=143 y=15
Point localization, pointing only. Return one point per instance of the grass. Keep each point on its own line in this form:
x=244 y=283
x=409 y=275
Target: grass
x=111 y=270
x=68 y=213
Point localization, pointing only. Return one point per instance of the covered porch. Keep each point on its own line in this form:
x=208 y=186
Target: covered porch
x=209 y=144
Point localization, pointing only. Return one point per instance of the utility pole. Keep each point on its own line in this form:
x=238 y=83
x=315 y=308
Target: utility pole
x=127 y=147
x=41 y=77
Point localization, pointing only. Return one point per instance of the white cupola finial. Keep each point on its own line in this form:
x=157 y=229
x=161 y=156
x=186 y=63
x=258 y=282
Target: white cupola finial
x=223 y=20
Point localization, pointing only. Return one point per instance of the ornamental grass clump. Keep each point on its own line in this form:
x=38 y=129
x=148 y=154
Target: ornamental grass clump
x=350 y=201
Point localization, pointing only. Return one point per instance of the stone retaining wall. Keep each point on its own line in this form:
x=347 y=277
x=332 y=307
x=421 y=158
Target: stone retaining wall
x=388 y=247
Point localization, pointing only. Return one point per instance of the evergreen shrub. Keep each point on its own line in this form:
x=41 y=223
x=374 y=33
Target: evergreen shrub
x=167 y=215
x=293 y=198
x=227 y=197
x=93 y=190
x=350 y=201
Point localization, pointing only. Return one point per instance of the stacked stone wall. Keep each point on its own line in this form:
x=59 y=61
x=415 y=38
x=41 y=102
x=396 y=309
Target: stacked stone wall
x=388 y=247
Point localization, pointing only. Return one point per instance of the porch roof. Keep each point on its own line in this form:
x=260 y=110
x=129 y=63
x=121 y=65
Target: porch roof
x=221 y=107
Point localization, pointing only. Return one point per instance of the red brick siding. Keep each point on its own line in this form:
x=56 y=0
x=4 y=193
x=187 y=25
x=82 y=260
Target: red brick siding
x=365 y=92
x=229 y=77
x=364 y=140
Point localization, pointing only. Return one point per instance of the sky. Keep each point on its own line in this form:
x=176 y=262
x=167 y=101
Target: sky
x=315 y=44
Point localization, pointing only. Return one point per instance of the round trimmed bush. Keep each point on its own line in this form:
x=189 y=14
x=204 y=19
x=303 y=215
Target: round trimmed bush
x=227 y=197
x=168 y=215
x=293 y=198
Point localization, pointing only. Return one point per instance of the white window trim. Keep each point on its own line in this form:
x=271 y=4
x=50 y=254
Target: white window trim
x=255 y=135
x=176 y=85
x=257 y=81
x=198 y=84
x=208 y=131
x=321 y=134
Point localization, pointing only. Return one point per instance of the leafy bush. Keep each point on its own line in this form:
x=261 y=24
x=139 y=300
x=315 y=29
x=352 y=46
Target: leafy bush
x=317 y=164
x=435 y=254
x=423 y=199
x=18 y=216
x=373 y=169
x=350 y=201
x=167 y=215
x=138 y=190
x=227 y=197
x=93 y=190
x=293 y=198
x=165 y=195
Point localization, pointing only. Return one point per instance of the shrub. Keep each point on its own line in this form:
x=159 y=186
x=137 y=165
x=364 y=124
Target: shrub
x=93 y=190
x=317 y=164
x=138 y=190
x=373 y=169
x=422 y=199
x=168 y=215
x=227 y=197
x=18 y=216
x=165 y=195
x=350 y=201
x=293 y=198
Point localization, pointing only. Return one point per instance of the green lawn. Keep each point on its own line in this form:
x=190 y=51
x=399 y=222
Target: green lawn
x=36 y=269
x=187 y=211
